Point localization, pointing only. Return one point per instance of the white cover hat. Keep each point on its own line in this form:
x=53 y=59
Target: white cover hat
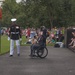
x=13 y=19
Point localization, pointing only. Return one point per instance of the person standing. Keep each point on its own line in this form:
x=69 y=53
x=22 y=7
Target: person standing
x=44 y=30
x=15 y=36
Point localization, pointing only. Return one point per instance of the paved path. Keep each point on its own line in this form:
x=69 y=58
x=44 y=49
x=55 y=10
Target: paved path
x=60 y=61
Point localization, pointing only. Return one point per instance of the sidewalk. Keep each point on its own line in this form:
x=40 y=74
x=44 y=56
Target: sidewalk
x=60 y=61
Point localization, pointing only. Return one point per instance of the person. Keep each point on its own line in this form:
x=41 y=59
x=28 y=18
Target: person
x=34 y=41
x=72 y=43
x=15 y=36
x=44 y=30
x=40 y=42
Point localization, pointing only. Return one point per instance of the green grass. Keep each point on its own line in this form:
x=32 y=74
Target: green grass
x=4 y=44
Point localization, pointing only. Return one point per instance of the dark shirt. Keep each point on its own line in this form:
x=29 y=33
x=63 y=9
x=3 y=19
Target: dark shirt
x=44 y=35
x=14 y=32
x=44 y=32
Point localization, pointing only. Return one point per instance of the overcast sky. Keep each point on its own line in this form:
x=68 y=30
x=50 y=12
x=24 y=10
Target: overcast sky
x=18 y=0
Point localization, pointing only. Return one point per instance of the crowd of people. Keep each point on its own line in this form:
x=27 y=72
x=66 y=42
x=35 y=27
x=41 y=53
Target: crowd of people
x=54 y=35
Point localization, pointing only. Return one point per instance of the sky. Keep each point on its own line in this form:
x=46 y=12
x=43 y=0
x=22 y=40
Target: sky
x=18 y=0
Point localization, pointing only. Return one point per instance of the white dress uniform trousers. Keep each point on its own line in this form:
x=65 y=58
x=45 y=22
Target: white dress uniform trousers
x=12 y=46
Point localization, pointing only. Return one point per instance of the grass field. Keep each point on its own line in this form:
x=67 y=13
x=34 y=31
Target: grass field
x=5 y=44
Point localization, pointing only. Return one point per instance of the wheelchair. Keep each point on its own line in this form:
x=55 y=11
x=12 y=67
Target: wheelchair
x=41 y=52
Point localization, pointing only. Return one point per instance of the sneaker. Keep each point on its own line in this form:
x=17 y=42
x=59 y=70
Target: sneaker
x=11 y=56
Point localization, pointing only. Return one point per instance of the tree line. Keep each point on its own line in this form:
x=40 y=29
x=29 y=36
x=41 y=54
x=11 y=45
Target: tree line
x=35 y=13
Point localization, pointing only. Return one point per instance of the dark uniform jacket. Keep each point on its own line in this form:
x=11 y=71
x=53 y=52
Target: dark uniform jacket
x=14 y=32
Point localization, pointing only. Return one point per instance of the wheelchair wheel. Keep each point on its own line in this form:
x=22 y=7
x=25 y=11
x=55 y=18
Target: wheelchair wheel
x=42 y=53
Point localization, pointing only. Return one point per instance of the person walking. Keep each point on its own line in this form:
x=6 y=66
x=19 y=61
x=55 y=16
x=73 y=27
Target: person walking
x=15 y=36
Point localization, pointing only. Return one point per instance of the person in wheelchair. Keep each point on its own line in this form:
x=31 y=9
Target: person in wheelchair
x=40 y=43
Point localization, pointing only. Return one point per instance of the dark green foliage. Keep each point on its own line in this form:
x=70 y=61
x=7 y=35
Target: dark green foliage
x=34 y=13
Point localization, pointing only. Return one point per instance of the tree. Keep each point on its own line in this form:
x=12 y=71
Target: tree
x=34 y=13
x=10 y=10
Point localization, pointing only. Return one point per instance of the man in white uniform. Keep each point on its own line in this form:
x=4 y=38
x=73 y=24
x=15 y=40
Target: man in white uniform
x=15 y=36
